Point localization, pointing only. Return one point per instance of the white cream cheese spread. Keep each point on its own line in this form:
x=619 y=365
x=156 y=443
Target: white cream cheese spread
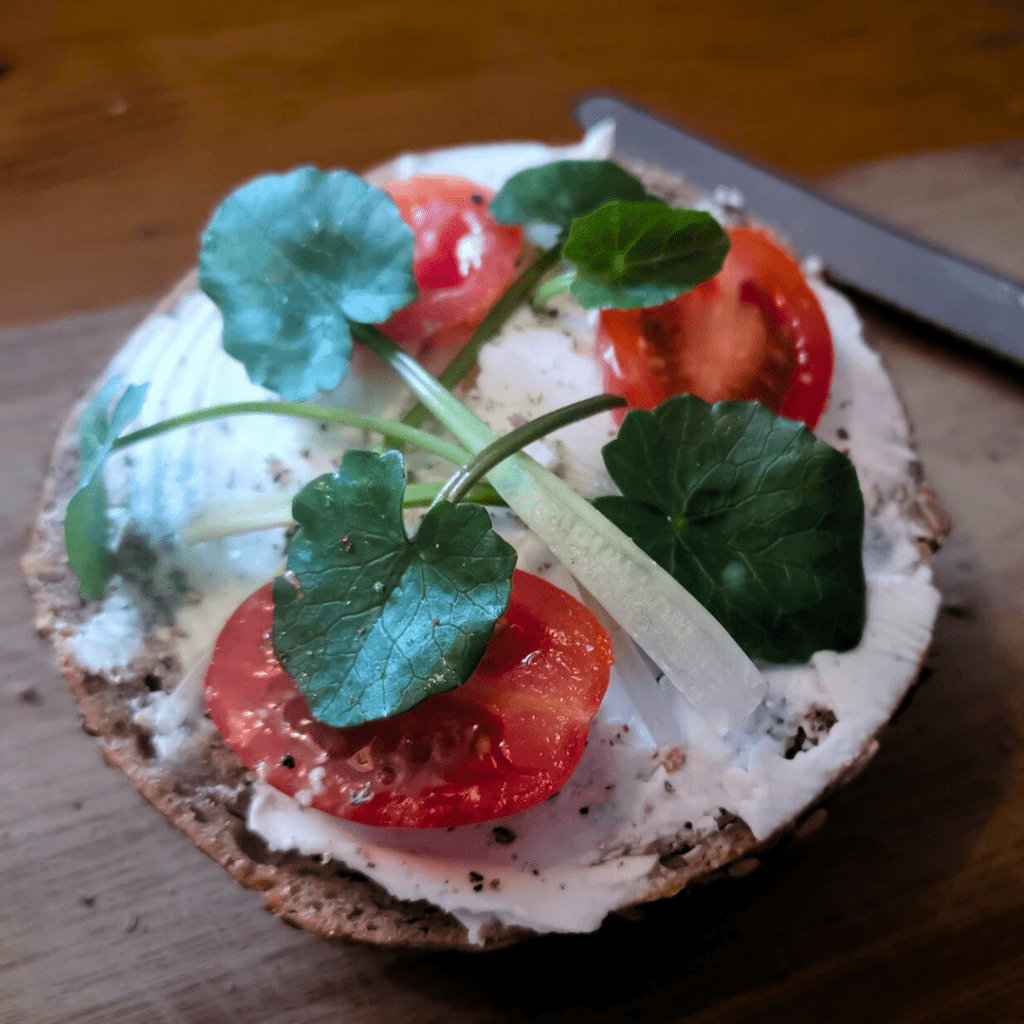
x=654 y=775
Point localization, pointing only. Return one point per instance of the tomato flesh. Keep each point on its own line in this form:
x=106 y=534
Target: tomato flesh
x=463 y=261
x=755 y=331
x=508 y=738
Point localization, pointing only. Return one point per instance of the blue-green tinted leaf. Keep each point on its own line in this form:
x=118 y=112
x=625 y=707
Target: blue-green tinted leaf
x=559 y=192
x=290 y=259
x=86 y=535
x=631 y=255
x=86 y=531
x=370 y=623
x=97 y=431
x=758 y=519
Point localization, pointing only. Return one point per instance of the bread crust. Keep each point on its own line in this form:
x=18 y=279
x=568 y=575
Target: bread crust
x=206 y=796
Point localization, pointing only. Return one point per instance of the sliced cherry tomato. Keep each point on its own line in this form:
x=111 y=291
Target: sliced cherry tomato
x=463 y=262
x=508 y=738
x=755 y=332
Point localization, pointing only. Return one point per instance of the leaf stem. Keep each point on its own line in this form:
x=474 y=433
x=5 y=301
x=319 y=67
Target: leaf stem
x=420 y=495
x=233 y=518
x=319 y=413
x=489 y=328
x=439 y=401
x=461 y=482
x=554 y=286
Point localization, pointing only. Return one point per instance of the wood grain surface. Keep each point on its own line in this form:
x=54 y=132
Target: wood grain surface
x=119 y=128
x=121 y=125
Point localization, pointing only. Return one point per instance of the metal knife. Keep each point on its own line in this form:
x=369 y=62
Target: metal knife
x=860 y=252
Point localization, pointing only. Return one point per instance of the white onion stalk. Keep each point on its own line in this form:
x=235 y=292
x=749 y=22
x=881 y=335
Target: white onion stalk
x=231 y=518
x=690 y=646
x=655 y=702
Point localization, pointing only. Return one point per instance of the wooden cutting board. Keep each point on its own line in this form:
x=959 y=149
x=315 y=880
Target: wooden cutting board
x=908 y=906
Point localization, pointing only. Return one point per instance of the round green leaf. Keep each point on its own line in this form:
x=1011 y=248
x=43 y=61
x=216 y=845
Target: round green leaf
x=632 y=255
x=559 y=192
x=290 y=259
x=757 y=518
x=86 y=539
x=86 y=530
x=370 y=623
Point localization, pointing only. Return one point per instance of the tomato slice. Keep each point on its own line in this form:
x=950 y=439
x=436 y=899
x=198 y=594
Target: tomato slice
x=754 y=332
x=463 y=261
x=508 y=738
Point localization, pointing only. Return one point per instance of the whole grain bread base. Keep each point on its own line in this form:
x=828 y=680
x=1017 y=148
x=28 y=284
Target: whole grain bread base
x=326 y=899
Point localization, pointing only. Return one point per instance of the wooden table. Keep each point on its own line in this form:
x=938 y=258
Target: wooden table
x=122 y=125
x=908 y=906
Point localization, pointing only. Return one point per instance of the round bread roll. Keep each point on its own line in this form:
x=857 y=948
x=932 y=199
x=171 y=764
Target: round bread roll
x=134 y=661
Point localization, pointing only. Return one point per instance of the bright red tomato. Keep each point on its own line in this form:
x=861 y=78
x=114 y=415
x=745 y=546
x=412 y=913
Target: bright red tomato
x=507 y=739
x=754 y=331
x=463 y=262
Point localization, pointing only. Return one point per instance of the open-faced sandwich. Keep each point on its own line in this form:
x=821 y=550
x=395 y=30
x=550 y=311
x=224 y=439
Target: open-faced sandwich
x=451 y=660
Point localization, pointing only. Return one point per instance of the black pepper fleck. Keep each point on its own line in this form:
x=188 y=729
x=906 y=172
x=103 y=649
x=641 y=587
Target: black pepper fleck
x=503 y=835
x=843 y=434
x=477 y=199
x=796 y=744
x=584 y=810
x=288 y=761
x=478 y=887
x=475 y=876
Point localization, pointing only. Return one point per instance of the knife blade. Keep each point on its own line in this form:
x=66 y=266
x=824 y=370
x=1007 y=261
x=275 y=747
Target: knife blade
x=858 y=251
